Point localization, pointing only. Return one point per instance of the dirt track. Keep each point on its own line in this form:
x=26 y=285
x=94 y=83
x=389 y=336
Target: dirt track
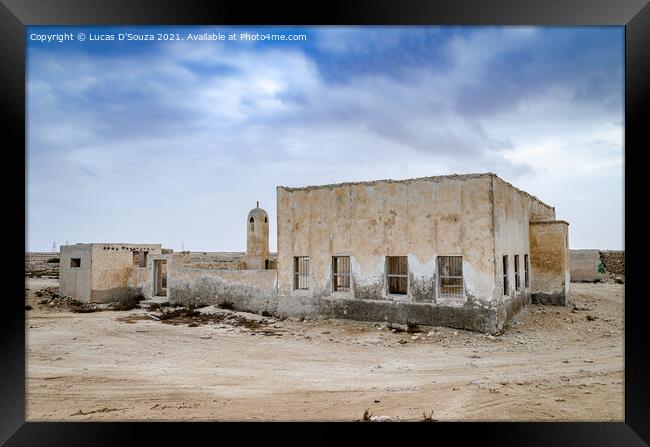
x=553 y=364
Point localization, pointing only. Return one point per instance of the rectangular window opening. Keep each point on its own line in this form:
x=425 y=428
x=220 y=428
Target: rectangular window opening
x=526 y=280
x=450 y=272
x=341 y=273
x=140 y=258
x=505 y=275
x=301 y=272
x=75 y=262
x=397 y=274
x=516 y=272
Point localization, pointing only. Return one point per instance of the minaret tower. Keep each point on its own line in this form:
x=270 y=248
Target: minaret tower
x=257 y=242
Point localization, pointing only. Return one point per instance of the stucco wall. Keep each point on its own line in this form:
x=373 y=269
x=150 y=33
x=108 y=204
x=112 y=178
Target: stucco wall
x=106 y=274
x=420 y=219
x=251 y=290
x=549 y=256
x=75 y=281
x=584 y=265
x=513 y=210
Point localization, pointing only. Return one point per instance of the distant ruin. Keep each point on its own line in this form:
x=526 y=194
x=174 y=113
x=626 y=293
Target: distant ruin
x=597 y=265
x=466 y=251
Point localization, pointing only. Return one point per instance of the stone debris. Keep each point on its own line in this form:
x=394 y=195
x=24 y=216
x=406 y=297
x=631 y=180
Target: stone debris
x=380 y=419
x=613 y=261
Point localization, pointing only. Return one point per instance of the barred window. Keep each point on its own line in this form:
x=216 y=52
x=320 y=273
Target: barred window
x=301 y=272
x=450 y=272
x=526 y=280
x=341 y=273
x=505 y=275
x=397 y=274
x=516 y=272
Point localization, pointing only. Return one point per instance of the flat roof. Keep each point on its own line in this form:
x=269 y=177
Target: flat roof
x=409 y=180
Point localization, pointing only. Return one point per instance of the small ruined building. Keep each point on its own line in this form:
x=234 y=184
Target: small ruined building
x=466 y=251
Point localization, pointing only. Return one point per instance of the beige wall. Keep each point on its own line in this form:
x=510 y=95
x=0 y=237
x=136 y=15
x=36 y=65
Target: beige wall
x=549 y=256
x=583 y=265
x=114 y=276
x=75 y=281
x=247 y=289
x=513 y=210
x=107 y=272
x=420 y=219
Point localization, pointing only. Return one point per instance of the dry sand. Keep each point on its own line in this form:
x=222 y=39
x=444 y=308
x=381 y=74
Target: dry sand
x=552 y=364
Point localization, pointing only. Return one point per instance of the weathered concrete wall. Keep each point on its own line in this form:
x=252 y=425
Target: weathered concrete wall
x=585 y=266
x=231 y=260
x=75 y=281
x=252 y=290
x=549 y=257
x=513 y=210
x=107 y=271
x=419 y=218
x=114 y=275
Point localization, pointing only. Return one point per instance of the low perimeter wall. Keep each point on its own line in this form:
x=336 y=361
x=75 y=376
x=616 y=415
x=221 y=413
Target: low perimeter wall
x=585 y=266
x=252 y=290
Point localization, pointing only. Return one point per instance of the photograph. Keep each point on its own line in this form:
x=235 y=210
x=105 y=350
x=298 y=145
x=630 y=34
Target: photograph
x=349 y=223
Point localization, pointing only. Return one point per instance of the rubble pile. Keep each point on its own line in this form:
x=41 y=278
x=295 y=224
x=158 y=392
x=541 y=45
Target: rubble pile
x=613 y=261
x=49 y=296
x=42 y=265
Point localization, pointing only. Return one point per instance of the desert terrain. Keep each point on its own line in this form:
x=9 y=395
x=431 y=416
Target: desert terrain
x=551 y=364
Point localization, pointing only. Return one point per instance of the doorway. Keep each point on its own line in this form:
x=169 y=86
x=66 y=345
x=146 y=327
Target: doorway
x=160 y=277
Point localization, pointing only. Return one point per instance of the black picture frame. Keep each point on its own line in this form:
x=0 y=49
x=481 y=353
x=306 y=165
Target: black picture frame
x=15 y=15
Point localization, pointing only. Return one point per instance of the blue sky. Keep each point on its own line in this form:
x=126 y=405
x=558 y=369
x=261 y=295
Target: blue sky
x=174 y=141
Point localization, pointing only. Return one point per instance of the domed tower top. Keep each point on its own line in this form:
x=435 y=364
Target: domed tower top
x=257 y=241
x=258 y=214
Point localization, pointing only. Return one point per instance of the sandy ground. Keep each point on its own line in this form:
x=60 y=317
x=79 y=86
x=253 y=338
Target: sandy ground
x=552 y=364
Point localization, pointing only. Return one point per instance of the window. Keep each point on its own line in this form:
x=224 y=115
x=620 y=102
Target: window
x=450 y=272
x=301 y=272
x=397 y=274
x=505 y=275
x=516 y=272
x=341 y=273
x=140 y=258
x=266 y=220
x=526 y=281
x=75 y=262
x=252 y=223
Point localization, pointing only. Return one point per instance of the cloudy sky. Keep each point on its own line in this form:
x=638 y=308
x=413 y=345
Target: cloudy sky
x=173 y=142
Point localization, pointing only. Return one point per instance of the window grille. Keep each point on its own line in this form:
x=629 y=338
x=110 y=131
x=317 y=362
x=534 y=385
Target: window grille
x=397 y=274
x=341 y=273
x=516 y=272
x=450 y=273
x=526 y=280
x=301 y=272
x=505 y=275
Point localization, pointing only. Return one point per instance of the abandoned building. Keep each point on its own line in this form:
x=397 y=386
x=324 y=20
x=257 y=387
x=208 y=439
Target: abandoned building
x=466 y=251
